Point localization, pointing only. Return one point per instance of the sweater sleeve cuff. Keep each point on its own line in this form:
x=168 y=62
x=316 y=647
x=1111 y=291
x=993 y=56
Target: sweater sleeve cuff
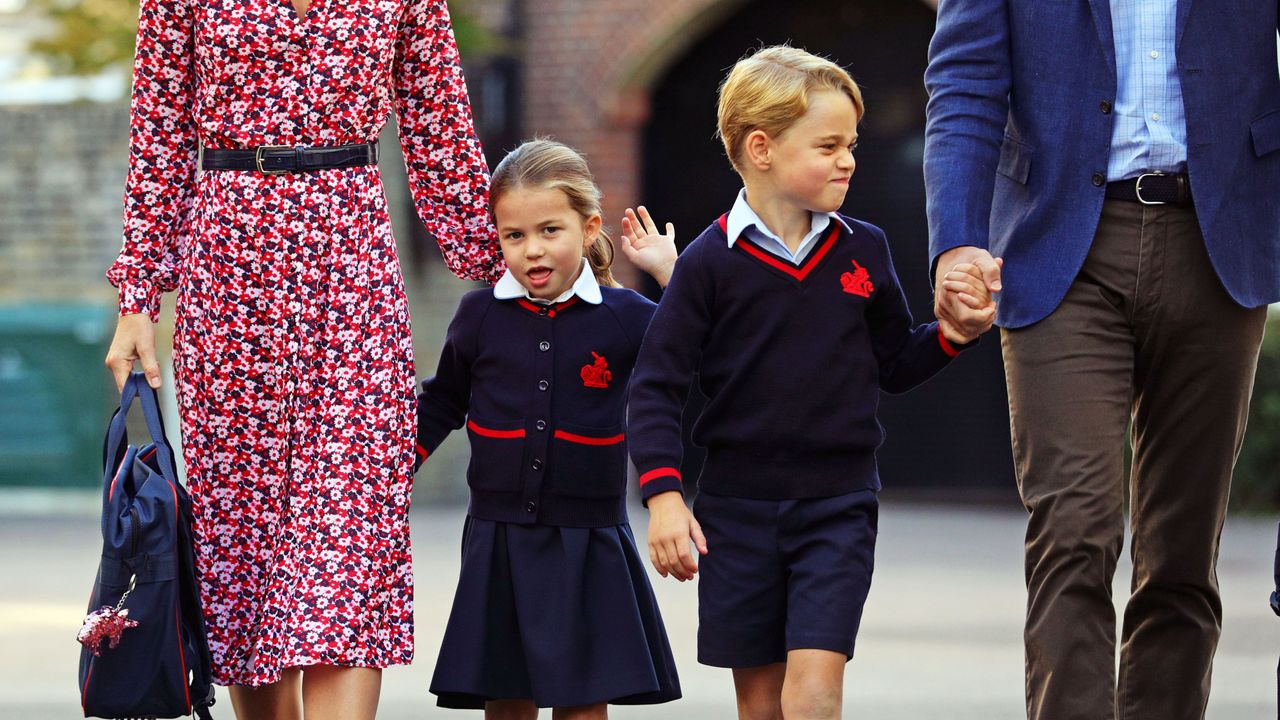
x=660 y=480
x=953 y=349
x=420 y=455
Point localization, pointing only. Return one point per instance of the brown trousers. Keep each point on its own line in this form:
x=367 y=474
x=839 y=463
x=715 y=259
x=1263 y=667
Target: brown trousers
x=1146 y=338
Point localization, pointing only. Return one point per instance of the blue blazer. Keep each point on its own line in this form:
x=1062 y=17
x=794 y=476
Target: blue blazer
x=1019 y=132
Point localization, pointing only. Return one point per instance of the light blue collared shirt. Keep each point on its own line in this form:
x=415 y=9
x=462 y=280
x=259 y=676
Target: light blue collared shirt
x=744 y=220
x=585 y=287
x=1150 y=130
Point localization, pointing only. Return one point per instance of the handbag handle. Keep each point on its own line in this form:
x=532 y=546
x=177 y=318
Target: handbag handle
x=136 y=387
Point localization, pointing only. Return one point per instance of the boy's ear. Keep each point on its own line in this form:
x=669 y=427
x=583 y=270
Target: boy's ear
x=756 y=150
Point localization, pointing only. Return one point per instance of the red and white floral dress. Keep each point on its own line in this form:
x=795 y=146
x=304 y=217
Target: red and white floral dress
x=292 y=352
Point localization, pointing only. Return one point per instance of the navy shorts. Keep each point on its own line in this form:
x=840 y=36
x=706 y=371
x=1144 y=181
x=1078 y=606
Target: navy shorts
x=782 y=575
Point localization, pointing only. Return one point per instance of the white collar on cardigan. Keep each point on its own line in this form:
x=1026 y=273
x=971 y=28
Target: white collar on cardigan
x=585 y=287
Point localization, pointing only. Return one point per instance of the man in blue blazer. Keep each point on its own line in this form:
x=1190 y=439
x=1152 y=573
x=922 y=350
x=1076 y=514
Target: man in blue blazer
x=1123 y=158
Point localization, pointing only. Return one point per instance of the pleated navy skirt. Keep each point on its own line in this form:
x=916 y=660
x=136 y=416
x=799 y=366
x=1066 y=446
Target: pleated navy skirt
x=558 y=615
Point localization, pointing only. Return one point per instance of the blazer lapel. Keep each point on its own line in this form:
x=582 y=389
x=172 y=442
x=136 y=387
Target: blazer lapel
x=1102 y=21
x=1184 y=9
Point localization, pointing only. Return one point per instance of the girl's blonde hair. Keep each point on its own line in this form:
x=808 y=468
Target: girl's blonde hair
x=769 y=90
x=546 y=164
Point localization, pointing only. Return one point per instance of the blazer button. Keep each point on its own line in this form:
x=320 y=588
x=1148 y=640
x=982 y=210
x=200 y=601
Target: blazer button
x=543 y=385
x=531 y=507
x=537 y=463
x=1099 y=180
x=541 y=425
x=1105 y=107
x=544 y=346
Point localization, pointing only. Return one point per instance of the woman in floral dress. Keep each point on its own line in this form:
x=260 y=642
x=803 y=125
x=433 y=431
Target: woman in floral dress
x=292 y=354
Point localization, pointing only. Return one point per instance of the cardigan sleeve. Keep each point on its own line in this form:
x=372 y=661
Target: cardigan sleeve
x=446 y=396
x=448 y=176
x=162 y=158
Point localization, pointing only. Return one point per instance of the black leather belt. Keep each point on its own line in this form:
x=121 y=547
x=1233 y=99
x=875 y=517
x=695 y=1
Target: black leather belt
x=1153 y=189
x=284 y=159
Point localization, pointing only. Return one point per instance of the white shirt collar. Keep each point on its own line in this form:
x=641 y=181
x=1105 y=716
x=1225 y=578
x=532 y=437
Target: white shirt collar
x=742 y=217
x=585 y=287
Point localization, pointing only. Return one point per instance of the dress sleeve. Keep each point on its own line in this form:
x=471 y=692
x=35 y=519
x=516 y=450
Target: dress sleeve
x=162 y=157
x=447 y=172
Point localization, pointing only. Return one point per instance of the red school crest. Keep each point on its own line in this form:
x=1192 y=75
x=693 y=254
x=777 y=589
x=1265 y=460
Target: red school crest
x=857 y=282
x=597 y=374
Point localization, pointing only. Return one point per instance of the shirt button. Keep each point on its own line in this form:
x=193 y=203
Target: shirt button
x=536 y=464
x=1105 y=107
x=1155 y=116
x=531 y=507
x=541 y=425
x=1099 y=180
x=543 y=385
x=1155 y=54
x=544 y=346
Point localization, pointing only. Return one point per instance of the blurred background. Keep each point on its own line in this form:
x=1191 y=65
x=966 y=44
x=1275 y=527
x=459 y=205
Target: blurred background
x=629 y=82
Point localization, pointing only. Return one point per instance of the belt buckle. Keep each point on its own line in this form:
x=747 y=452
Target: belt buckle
x=1137 y=189
x=257 y=158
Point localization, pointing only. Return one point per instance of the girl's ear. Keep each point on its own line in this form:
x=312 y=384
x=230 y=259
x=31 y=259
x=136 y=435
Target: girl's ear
x=756 y=149
x=591 y=231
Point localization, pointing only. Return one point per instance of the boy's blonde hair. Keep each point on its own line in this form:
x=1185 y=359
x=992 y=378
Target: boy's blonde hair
x=548 y=165
x=769 y=90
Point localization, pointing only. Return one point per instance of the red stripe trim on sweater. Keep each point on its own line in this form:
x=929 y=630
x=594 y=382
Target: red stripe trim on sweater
x=491 y=433
x=947 y=347
x=799 y=273
x=660 y=473
x=421 y=451
x=551 y=309
x=588 y=440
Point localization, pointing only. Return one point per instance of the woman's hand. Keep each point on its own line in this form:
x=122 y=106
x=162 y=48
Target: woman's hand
x=135 y=340
x=646 y=248
x=671 y=527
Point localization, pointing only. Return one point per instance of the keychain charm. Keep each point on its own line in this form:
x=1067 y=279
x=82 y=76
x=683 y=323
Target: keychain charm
x=107 y=623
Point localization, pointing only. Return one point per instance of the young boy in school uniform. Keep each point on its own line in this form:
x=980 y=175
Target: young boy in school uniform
x=792 y=318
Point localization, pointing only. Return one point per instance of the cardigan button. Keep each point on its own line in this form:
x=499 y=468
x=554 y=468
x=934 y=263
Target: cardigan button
x=531 y=507
x=537 y=463
x=1105 y=107
x=543 y=310
x=543 y=385
x=544 y=346
x=1099 y=179
x=541 y=424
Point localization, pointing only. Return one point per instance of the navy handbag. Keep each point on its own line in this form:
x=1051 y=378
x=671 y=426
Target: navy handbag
x=145 y=652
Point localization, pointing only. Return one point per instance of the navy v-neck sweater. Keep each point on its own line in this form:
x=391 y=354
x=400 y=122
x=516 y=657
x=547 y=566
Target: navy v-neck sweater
x=792 y=359
x=542 y=390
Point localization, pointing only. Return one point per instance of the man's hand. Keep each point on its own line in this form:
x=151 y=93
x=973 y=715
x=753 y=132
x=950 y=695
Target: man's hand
x=956 y=319
x=671 y=527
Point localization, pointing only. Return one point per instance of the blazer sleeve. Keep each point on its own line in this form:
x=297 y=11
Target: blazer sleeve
x=448 y=175
x=969 y=78
x=160 y=183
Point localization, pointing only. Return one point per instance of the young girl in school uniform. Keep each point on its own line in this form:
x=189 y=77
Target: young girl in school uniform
x=553 y=607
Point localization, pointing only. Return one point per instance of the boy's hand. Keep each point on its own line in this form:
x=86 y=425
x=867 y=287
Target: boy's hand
x=646 y=248
x=969 y=308
x=671 y=527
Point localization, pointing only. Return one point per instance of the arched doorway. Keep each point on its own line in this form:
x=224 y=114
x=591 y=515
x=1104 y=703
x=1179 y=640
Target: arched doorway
x=951 y=435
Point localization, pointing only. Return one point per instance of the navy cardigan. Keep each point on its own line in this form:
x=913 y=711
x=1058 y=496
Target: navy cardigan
x=542 y=390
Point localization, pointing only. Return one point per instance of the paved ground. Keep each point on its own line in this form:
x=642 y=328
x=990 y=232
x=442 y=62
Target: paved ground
x=941 y=636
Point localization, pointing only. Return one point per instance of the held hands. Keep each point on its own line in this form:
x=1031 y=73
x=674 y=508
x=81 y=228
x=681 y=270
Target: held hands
x=963 y=302
x=135 y=339
x=646 y=248
x=671 y=527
